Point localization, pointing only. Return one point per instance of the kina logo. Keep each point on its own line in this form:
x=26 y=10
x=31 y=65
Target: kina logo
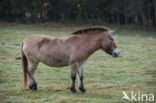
x=138 y=96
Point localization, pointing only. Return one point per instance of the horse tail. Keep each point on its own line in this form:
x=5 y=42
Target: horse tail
x=25 y=66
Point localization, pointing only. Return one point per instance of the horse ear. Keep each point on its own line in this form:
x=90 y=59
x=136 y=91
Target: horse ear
x=111 y=31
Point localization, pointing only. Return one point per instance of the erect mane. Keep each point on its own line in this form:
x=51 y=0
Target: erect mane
x=91 y=29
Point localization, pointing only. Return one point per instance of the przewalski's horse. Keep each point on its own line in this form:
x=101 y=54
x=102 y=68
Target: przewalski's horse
x=71 y=50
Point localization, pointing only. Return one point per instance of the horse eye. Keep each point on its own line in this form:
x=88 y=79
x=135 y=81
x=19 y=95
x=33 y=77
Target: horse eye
x=112 y=39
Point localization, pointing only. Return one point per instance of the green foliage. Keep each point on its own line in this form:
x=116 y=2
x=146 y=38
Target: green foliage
x=141 y=12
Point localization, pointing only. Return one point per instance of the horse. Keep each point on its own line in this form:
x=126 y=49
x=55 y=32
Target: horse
x=72 y=50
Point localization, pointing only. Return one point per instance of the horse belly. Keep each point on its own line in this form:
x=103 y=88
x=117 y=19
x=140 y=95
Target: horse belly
x=55 y=60
x=56 y=63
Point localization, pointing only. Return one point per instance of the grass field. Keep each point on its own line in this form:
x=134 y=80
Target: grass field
x=104 y=77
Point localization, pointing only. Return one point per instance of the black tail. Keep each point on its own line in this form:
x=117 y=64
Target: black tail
x=25 y=66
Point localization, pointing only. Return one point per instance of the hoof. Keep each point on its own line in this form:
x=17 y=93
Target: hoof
x=33 y=86
x=73 y=90
x=82 y=90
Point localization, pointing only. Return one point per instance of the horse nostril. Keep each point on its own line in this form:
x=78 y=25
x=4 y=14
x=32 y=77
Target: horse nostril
x=115 y=54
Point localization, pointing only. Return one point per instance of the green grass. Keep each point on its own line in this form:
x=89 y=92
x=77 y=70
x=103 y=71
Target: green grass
x=104 y=77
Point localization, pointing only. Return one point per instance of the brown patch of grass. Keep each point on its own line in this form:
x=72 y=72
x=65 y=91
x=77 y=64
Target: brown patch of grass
x=120 y=71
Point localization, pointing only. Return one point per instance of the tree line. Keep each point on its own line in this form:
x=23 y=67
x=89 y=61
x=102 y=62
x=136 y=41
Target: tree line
x=139 y=12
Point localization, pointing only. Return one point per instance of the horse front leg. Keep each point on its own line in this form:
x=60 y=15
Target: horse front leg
x=73 y=77
x=80 y=78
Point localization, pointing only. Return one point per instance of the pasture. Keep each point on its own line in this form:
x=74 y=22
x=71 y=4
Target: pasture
x=105 y=77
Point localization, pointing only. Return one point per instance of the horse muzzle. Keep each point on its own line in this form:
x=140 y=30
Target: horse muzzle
x=115 y=52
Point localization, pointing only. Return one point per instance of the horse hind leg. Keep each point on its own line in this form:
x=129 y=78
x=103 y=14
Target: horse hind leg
x=32 y=67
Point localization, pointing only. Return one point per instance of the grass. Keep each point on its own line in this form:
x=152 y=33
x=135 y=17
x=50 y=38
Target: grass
x=104 y=77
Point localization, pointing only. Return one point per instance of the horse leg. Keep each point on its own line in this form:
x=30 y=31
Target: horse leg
x=32 y=67
x=80 y=78
x=73 y=77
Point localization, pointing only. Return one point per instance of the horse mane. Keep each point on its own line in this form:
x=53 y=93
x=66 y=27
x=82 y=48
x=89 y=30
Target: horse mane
x=91 y=29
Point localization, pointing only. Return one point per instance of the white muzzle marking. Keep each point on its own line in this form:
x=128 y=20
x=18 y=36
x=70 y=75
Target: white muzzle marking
x=116 y=52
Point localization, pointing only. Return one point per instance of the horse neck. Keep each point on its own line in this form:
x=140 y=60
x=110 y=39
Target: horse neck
x=92 y=43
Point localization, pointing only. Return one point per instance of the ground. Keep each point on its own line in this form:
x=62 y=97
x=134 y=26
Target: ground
x=105 y=77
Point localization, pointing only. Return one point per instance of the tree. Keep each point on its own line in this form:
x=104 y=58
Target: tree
x=141 y=12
